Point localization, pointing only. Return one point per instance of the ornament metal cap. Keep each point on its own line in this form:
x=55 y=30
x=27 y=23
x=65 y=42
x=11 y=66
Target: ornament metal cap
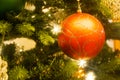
x=79 y=8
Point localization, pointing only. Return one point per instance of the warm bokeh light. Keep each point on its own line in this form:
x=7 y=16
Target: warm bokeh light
x=45 y=10
x=56 y=29
x=81 y=73
x=82 y=63
x=29 y=6
x=90 y=76
x=24 y=44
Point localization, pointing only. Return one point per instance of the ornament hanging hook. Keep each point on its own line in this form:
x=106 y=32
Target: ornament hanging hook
x=79 y=8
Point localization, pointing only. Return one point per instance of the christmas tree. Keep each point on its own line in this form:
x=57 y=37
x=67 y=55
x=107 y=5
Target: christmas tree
x=36 y=24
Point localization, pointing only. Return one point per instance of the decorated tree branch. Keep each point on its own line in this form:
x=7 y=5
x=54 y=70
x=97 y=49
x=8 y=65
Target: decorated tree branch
x=68 y=39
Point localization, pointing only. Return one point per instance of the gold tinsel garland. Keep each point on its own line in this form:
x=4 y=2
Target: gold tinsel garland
x=114 y=7
x=3 y=69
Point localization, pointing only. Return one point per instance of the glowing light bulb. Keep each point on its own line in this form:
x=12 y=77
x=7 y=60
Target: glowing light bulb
x=29 y=6
x=56 y=29
x=33 y=16
x=82 y=63
x=45 y=10
x=90 y=76
x=110 y=20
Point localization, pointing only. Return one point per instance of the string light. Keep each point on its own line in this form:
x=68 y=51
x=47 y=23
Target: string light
x=46 y=10
x=33 y=16
x=29 y=6
x=90 y=76
x=56 y=29
x=110 y=20
x=82 y=63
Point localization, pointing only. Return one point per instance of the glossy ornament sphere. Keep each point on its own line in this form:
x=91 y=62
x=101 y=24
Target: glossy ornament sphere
x=82 y=36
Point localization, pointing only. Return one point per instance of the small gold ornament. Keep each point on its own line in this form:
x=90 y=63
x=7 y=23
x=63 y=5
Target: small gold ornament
x=80 y=74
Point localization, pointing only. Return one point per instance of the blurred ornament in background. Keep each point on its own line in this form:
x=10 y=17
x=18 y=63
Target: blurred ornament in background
x=22 y=43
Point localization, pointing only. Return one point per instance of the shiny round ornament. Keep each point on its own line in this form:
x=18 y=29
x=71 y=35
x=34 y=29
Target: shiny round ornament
x=82 y=36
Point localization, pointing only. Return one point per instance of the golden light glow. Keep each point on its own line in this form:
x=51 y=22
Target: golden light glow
x=110 y=20
x=45 y=10
x=33 y=16
x=90 y=76
x=87 y=23
x=23 y=43
x=29 y=6
x=80 y=73
x=56 y=29
x=82 y=63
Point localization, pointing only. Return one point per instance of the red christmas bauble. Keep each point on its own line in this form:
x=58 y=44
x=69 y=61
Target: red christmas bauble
x=82 y=36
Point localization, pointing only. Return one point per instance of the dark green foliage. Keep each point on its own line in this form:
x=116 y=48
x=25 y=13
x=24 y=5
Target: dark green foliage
x=45 y=38
x=10 y=5
x=46 y=61
x=8 y=52
x=106 y=65
x=35 y=67
x=112 y=30
x=18 y=73
x=25 y=29
x=5 y=27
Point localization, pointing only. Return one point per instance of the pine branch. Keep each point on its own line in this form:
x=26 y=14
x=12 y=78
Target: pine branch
x=113 y=30
x=25 y=29
x=45 y=38
x=18 y=73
